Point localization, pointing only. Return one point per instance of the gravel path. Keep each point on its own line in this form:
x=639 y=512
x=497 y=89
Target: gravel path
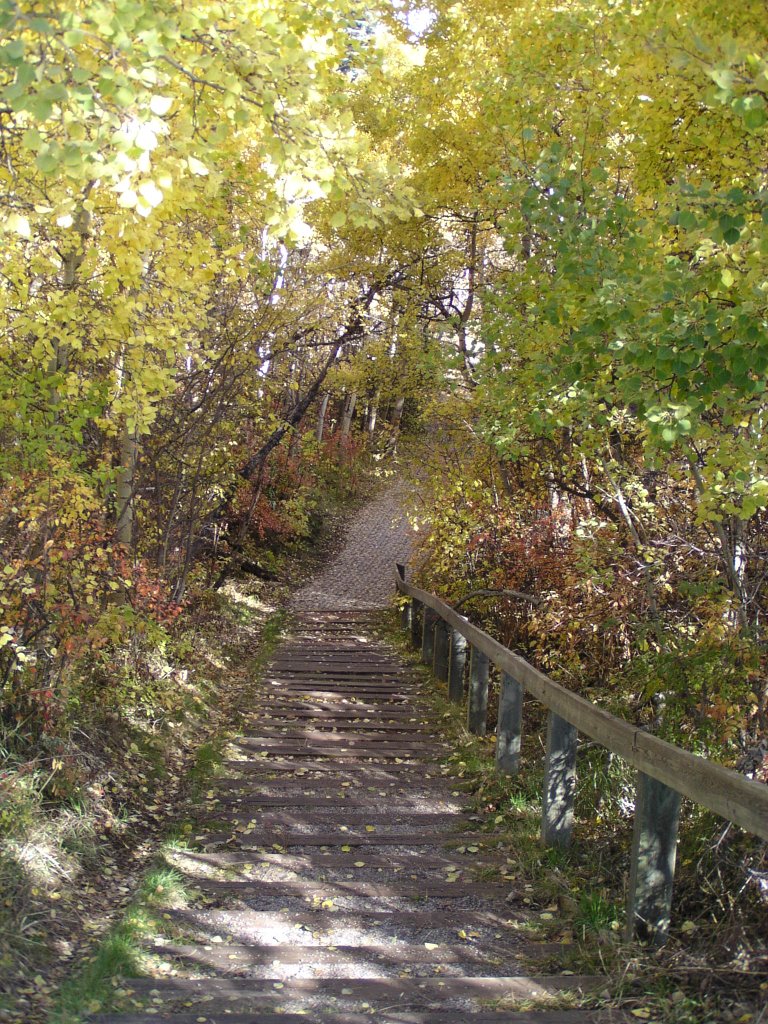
x=360 y=577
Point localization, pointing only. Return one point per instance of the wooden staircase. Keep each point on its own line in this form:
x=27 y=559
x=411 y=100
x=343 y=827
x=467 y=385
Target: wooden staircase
x=336 y=884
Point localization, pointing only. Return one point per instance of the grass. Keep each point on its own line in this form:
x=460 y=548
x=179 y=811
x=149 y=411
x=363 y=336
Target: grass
x=121 y=953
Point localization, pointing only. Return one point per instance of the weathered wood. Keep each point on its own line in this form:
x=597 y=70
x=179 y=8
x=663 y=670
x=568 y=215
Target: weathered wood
x=652 y=869
x=429 y=619
x=414 y=991
x=348 y=1017
x=405 y=615
x=477 y=712
x=440 y=656
x=405 y=611
x=394 y=955
x=559 y=782
x=456 y=664
x=509 y=725
x=395 y=1016
x=417 y=612
x=722 y=790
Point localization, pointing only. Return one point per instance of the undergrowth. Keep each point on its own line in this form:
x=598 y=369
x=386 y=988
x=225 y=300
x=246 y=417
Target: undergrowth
x=714 y=967
x=129 y=772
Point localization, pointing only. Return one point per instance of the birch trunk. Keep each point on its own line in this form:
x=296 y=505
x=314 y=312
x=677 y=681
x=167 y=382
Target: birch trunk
x=321 y=416
x=349 y=411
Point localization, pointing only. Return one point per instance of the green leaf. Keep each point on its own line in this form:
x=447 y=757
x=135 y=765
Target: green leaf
x=47 y=163
x=723 y=78
x=14 y=50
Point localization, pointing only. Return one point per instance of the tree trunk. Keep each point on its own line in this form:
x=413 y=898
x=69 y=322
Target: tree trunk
x=321 y=416
x=126 y=475
x=349 y=411
x=397 y=413
x=374 y=411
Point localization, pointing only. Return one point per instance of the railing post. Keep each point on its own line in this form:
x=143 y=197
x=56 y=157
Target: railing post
x=559 y=782
x=405 y=614
x=509 y=725
x=478 y=692
x=440 y=657
x=428 y=636
x=652 y=869
x=456 y=663
x=417 y=612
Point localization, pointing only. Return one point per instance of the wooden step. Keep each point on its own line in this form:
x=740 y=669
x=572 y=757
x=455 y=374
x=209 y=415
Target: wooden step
x=415 y=860
x=345 y=771
x=383 y=1016
x=301 y=888
x=260 y=838
x=313 y=738
x=393 y=955
x=216 y=993
x=238 y=923
x=368 y=820
x=339 y=802
x=386 y=1015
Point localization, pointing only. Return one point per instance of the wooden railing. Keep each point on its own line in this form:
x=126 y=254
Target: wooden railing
x=665 y=772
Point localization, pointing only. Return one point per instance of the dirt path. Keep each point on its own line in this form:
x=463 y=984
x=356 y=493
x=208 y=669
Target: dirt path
x=360 y=577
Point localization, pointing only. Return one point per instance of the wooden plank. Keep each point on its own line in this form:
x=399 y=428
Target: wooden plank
x=294 y=727
x=405 y=861
x=353 y=784
x=377 y=702
x=417 y=611
x=456 y=666
x=477 y=710
x=559 y=782
x=349 y=753
x=346 y=738
x=260 y=838
x=428 y=636
x=251 y=889
x=264 y=766
x=384 y=1015
x=370 y=818
x=394 y=955
x=336 y=801
x=509 y=726
x=440 y=654
x=338 y=713
x=372 y=923
x=352 y=685
x=652 y=870
x=414 y=991
x=722 y=790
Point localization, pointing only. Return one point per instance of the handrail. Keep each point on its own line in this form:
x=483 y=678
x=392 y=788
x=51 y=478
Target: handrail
x=722 y=790
x=666 y=772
